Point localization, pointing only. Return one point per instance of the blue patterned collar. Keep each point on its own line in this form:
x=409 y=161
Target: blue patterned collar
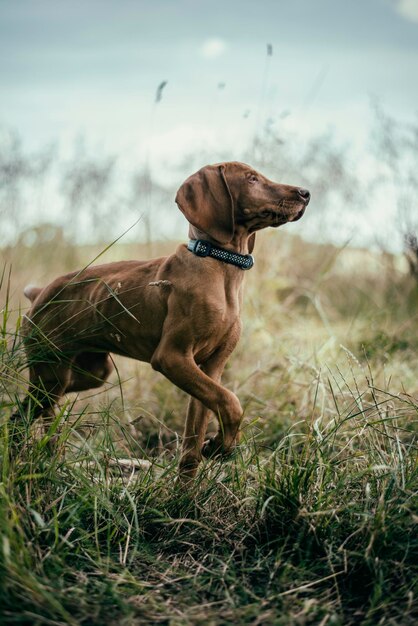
x=200 y=247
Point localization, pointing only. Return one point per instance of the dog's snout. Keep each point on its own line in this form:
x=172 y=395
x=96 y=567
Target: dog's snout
x=304 y=194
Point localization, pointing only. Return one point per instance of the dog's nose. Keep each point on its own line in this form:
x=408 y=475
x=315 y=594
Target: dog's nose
x=305 y=195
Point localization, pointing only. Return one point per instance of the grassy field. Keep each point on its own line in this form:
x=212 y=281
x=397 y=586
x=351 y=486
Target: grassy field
x=314 y=520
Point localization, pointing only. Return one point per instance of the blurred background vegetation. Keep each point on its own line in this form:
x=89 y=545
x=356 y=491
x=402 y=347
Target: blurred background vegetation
x=314 y=519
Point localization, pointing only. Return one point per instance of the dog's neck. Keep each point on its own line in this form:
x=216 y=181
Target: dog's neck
x=239 y=242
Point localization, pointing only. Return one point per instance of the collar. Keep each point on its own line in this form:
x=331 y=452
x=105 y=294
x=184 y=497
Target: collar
x=200 y=247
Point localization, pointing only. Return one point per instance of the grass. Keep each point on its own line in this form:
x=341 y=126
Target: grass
x=312 y=522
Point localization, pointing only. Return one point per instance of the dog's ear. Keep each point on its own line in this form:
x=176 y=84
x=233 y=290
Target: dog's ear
x=207 y=203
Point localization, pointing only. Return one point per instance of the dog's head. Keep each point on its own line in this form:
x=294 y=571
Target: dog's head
x=219 y=198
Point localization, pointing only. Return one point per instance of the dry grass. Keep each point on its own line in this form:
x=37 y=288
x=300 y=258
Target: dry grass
x=312 y=522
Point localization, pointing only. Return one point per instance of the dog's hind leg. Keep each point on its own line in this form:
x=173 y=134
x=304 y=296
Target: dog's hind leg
x=47 y=383
x=89 y=370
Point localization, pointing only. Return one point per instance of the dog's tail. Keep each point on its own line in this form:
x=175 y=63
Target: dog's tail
x=32 y=292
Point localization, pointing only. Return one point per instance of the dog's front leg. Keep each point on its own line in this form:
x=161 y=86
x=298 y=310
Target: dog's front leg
x=193 y=438
x=182 y=370
x=198 y=415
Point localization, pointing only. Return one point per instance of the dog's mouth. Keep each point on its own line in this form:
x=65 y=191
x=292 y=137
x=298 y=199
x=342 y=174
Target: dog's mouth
x=274 y=215
x=283 y=213
x=298 y=215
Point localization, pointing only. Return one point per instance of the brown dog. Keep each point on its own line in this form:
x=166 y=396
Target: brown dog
x=180 y=313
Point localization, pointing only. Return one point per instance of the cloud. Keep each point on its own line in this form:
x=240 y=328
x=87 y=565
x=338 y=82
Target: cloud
x=213 y=48
x=408 y=9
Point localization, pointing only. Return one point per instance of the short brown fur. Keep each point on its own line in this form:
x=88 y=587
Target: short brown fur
x=180 y=313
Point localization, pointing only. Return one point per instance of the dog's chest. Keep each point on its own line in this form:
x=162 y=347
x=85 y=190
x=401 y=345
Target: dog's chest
x=211 y=322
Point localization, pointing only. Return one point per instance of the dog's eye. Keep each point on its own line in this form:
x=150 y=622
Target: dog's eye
x=252 y=178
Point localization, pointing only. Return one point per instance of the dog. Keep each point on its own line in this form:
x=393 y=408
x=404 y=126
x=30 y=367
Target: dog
x=179 y=313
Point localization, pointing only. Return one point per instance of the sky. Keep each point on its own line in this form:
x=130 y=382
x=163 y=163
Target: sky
x=92 y=67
